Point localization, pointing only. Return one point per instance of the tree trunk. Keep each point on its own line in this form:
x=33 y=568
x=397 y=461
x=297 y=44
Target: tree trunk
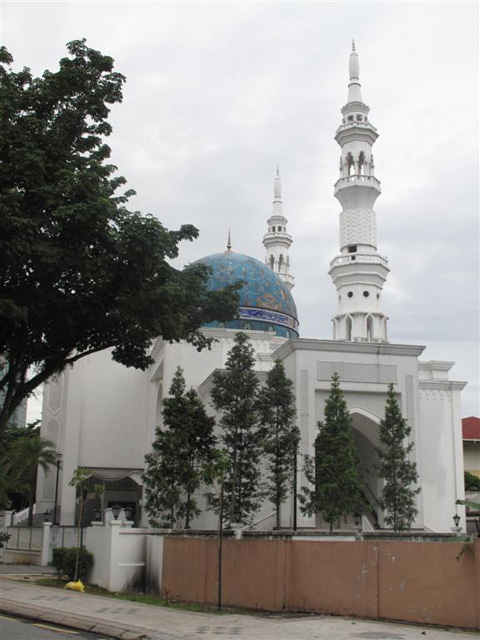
x=31 y=502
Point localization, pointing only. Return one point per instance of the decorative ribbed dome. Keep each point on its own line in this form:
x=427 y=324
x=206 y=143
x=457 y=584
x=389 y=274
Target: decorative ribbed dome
x=266 y=303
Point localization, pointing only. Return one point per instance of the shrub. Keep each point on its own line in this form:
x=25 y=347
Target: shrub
x=64 y=558
x=472 y=482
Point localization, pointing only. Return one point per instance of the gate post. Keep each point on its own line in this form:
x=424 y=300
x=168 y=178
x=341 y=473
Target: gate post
x=45 y=543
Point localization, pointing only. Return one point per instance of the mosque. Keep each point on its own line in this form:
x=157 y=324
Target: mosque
x=102 y=416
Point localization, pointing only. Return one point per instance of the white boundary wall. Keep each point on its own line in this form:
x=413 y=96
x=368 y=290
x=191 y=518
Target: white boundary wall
x=119 y=555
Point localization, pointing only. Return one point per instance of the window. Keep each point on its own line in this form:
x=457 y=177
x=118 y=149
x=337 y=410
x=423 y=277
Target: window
x=350 y=294
x=350 y=118
x=366 y=294
x=359 y=117
x=352 y=248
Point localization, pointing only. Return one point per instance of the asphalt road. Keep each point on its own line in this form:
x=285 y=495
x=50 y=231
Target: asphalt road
x=20 y=629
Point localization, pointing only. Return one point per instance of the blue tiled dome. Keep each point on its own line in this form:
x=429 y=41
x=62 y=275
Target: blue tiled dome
x=266 y=303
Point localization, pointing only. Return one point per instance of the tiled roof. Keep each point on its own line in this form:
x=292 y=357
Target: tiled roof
x=471 y=428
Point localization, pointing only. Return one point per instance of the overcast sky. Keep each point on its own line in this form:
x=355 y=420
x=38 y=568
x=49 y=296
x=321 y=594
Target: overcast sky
x=219 y=93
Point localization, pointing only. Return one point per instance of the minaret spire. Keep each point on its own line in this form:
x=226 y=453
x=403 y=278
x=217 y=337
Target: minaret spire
x=229 y=242
x=359 y=271
x=354 y=87
x=277 y=241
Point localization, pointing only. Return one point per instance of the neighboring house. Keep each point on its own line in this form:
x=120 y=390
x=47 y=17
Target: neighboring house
x=471 y=444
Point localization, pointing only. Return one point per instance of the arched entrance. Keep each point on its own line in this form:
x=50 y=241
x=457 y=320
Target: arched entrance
x=366 y=429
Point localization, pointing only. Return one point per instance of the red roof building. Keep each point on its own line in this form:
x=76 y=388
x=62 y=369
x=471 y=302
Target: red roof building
x=471 y=428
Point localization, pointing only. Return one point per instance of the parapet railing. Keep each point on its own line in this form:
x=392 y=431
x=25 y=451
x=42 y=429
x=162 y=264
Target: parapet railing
x=359 y=257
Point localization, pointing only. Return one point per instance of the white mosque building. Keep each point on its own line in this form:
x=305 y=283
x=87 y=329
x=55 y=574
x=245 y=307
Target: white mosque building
x=102 y=416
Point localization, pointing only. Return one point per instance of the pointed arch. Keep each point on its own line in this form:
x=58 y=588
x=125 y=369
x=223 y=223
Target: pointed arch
x=369 y=328
x=350 y=163
x=361 y=164
x=348 y=327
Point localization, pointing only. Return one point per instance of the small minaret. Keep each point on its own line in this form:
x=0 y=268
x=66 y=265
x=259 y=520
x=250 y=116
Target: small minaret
x=277 y=241
x=359 y=271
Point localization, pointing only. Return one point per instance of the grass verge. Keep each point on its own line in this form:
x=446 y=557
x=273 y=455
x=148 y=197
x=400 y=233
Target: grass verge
x=132 y=596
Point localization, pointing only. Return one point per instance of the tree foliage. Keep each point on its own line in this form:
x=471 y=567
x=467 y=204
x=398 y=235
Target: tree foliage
x=333 y=474
x=234 y=397
x=400 y=473
x=79 y=272
x=25 y=456
x=278 y=434
x=14 y=492
x=472 y=482
x=174 y=469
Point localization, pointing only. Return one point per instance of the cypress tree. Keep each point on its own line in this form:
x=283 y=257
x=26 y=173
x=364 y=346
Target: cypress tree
x=333 y=473
x=279 y=436
x=399 y=473
x=174 y=468
x=234 y=396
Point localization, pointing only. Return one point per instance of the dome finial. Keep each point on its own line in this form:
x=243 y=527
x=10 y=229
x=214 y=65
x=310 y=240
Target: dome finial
x=229 y=244
x=278 y=171
x=353 y=45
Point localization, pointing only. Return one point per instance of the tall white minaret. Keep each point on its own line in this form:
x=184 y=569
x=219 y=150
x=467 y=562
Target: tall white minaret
x=359 y=271
x=277 y=241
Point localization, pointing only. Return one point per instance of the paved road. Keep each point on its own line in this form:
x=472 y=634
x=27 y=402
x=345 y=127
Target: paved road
x=133 y=621
x=21 y=629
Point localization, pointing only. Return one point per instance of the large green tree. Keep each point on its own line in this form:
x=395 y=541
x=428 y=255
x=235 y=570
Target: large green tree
x=335 y=488
x=398 y=471
x=234 y=396
x=79 y=272
x=175 y=468
x=278 y=434
x=25 y=456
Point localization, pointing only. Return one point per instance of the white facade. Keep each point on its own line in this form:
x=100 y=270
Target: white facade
x=103 y=416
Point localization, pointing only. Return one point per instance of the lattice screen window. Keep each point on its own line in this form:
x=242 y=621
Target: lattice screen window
x=354 y=372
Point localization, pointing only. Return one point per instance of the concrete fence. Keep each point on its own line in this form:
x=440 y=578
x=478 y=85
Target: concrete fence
x=421 y=582
x=410 y=581
x=119 y=553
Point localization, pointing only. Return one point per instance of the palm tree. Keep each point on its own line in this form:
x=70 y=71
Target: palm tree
x=26 y=455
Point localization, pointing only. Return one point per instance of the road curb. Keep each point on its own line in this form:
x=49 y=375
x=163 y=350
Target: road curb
x=73 y=621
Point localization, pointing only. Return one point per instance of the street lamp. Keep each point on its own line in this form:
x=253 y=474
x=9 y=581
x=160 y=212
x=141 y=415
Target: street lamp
x=128 y=512
x=116 y=510
x=456 y=519
x=97 y=515
x=58 y=465
x=357 y=519
x=46 y=516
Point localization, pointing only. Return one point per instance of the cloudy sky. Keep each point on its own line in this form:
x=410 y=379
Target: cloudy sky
x=219 y=93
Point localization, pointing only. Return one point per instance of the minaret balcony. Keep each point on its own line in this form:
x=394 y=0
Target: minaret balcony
x=357 y=180
x=356 y=258
x=277 y=237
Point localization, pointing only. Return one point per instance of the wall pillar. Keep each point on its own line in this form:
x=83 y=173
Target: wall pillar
x=45 y=543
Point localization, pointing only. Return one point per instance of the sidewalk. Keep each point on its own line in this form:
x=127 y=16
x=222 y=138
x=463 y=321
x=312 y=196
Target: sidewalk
x=132 y=621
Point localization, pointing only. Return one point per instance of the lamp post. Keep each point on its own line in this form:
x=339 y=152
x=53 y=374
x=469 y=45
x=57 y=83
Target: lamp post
x=97 y=514
x=357 y=519
x=46 y=516
x=58 y=465
x=116 y=510
x=128 y=512
x=456 y=519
